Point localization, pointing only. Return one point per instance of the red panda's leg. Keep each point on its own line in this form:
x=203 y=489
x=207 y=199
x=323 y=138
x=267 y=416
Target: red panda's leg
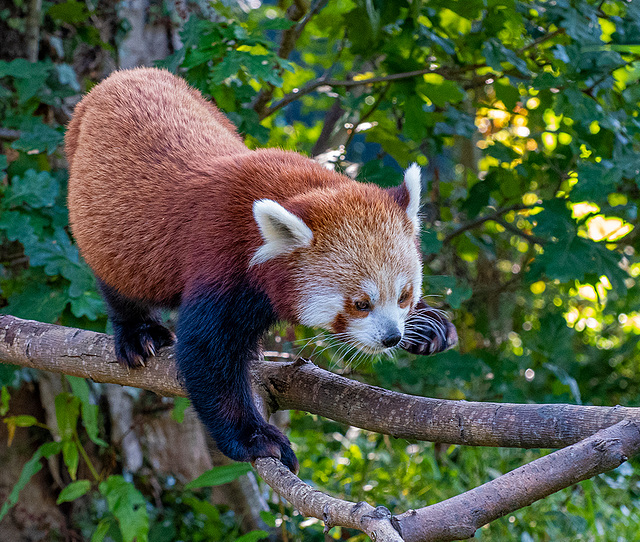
x=137 y=330
x=218 y=336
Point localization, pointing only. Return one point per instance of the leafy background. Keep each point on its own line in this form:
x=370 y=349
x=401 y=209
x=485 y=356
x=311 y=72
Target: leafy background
x=524 y=116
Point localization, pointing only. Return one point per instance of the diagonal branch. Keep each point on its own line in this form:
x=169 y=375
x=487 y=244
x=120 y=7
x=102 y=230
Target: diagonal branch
x=459 y=517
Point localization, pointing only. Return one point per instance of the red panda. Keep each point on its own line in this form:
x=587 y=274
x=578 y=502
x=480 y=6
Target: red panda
x=170 y=209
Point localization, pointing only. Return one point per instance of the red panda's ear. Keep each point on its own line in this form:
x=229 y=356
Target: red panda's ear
x=408 y=194
x=281 y=230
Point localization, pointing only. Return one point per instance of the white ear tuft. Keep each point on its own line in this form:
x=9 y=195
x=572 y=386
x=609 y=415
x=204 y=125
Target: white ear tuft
x=281 y=230
x=412 y=181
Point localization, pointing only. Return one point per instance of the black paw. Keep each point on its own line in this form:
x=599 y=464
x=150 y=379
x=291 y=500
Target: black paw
x=134 y=344
x=259 y=441
x=428 y=331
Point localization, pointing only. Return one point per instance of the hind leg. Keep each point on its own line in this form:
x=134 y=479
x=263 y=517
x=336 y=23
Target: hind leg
x=137 y=330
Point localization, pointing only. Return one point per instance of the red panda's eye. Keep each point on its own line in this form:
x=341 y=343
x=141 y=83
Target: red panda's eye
x=363 y=305
x=403 y=298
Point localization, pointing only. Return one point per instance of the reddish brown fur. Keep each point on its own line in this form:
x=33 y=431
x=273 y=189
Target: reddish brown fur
x=161 y=191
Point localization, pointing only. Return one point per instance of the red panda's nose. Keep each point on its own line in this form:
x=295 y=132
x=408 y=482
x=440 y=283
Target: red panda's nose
x=392 y=339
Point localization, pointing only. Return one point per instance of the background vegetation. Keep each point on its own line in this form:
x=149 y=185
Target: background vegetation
x=524 y=116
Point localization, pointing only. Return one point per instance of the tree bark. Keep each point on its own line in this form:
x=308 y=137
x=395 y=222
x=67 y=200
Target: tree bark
x=303 y=386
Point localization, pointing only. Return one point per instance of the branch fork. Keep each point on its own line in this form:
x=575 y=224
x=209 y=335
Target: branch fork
x=594 y=439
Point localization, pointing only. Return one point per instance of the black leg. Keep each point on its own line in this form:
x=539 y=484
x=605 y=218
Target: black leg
x=218 y=336
x=137 y=330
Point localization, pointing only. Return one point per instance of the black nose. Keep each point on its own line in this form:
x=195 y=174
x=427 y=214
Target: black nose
x=392 y=339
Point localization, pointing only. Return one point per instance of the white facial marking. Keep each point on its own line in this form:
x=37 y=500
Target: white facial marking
x=320 y=307
x=386 y=317
x=281 y=230
x=413 y=184
x=371 y=289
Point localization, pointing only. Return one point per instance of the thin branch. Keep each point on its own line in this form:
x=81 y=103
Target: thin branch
x=517 y=231
x=375 y=522
x=323 y=81
x=8 y=133
x=32 y=31
x=493 y=217
x=541 y=40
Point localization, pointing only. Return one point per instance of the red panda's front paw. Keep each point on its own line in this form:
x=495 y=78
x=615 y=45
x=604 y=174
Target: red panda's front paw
x=134 y=344
x=428 y=331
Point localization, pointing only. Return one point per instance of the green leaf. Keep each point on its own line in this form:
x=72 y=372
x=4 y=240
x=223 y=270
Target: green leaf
x=456 y=291
x=37 y=302
x=67 y=412
x=71 y=457
x=180 y=404
x=128 y=506
x=5 y=396
x=21 y=421
x=17 y=227
x=30 y=468
x=279 y=23
x=29 y=77
x=507 y=93
x=3 y=162
x=35 y=189
x=596 y=181
x=219 y=475
x=268 y=518
x=89 y=411
x=101 y=530
x=430 y=243
x=40 y=138
x=71 y=12
x=89 y=304
x=253 y=536
x=74 y=491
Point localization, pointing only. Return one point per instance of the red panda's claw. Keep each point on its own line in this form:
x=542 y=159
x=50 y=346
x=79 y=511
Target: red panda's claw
x=268 y=441
x=136 y=343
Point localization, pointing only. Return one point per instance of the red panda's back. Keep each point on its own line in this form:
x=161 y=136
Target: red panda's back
x=135 y=143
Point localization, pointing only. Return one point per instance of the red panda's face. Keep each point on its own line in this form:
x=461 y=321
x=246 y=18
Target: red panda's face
x=352 y=251
x=362 y=294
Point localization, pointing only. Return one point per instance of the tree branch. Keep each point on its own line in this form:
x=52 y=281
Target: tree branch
x=297 y=12
x=8 y=133
x=459 y=517
x=325 y=81
x=302 y=385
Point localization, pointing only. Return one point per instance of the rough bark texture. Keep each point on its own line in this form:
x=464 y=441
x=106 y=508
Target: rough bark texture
x=459 y=517
x=303 y=386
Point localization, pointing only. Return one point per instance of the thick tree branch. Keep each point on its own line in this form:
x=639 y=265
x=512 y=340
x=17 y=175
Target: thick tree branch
x=459 y=517
x=304 y=386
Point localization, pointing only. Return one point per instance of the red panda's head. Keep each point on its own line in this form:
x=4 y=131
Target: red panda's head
x=352 y=251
